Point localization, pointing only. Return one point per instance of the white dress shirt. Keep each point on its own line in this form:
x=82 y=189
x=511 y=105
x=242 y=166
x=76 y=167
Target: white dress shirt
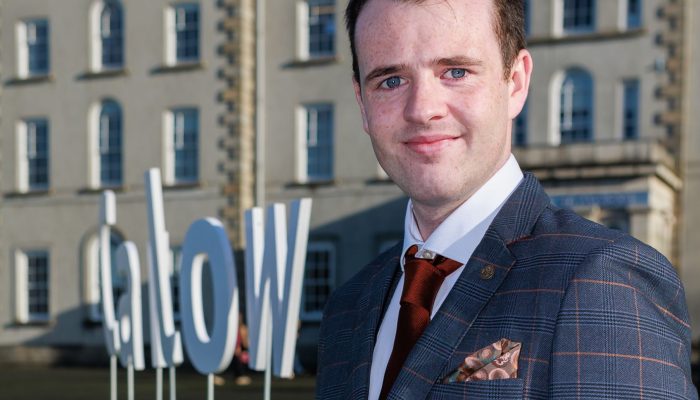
x=456 y=238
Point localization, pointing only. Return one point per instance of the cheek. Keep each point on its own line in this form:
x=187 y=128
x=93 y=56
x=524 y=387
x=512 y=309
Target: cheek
x=381 y=121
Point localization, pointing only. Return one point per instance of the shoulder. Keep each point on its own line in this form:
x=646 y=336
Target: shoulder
x=639 y=280
x=623 y=303
x=605 y=253
x=599 y=258
x=565 y=224
x=622 y=306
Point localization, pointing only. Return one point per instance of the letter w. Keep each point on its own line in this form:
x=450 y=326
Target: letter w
x=274 y=267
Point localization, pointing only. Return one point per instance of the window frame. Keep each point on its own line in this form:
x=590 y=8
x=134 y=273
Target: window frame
x=95 y=134
x=97 y=56
x=527 y=14
x=618 y=219
x=304 y=131
x=23 y=286
x=306 y=25
x=318 y=245
x=24 y=48
x=170 y=161
x=25 y=170
x=106 y=150
x=583 y=77
x=578 y=28
x=175 y=253
x=172 y=31
x=519 y=128
x=630 y=124
x=634 y=20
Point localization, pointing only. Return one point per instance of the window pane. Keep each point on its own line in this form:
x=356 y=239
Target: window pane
x=527 y=15
x=111 y=34
x=520 y=127
x=318 y=283
x=176 y=256
x=38 y=284
x=576 y=105
x=579 y=15
x=319 y=142
x=119 y=279
x=630 y=120
x=185 y=144
x=634 y=14
x=37 y=32
x=321 y=27
x=617 y=219
x=110 y=142
x=37 y=131
x=186 y=32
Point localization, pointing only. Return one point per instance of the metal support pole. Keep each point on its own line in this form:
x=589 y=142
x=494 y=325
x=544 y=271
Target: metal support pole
x=113 y=377
x=159 y=383
x=130 y=381
x=268 y=370
x=210 y=387
x=171 y=381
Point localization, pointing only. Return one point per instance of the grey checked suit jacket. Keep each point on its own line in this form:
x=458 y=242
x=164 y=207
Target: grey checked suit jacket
x=599 y=314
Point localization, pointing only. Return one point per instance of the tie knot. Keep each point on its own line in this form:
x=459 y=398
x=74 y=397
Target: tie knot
x=445 y=265
x=423 y=278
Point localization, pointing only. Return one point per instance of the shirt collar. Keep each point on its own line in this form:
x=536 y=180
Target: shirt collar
x=468 y=223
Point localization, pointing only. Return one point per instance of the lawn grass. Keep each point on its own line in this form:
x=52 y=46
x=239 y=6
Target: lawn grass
x=44 y=383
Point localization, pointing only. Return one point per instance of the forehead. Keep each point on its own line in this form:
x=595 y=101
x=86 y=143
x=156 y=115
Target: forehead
x=390 y=28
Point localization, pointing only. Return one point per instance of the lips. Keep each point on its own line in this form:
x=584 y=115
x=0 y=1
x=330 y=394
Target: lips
x=429 y=144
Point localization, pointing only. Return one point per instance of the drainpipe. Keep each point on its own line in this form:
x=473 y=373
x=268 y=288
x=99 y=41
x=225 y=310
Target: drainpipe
x=260 y=103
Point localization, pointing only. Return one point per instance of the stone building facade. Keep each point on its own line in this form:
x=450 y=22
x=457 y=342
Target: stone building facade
x=94 y=93
x=609 y=129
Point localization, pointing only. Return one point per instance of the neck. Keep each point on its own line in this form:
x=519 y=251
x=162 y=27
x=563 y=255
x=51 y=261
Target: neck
x=429 y=218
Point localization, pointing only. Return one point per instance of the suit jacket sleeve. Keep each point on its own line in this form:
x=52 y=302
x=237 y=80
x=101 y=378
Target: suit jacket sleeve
x=623 y=329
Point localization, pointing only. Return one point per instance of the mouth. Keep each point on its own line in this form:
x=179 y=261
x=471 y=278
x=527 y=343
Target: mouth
x=429 y=144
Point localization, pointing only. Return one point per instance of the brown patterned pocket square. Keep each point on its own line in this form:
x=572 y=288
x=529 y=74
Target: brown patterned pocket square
x=495 y=361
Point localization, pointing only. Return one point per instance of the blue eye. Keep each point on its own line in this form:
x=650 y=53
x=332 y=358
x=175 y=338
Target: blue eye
x=391 y=83
x=456 y=73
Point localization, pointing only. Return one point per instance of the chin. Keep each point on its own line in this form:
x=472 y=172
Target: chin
x=433 y=198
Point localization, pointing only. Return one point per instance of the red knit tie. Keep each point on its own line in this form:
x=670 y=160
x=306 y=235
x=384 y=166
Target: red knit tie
x=422 y=281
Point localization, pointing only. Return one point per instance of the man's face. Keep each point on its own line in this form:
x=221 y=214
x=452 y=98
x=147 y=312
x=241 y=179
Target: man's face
x=433 y=95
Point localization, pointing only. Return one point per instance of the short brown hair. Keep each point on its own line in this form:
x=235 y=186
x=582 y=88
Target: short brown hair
x=509 y=26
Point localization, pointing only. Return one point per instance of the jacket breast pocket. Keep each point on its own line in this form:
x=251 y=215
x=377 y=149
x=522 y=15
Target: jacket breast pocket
x=503 y=389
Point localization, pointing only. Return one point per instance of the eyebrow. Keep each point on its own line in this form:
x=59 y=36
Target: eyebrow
x=457 y=61
x=385 y=70
x=445 y=61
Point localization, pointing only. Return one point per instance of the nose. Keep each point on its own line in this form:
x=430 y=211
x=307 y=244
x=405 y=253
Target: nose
x=425 y=102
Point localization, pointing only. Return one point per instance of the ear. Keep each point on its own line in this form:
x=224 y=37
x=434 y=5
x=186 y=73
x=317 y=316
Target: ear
x=519 y=82
x=358 y=97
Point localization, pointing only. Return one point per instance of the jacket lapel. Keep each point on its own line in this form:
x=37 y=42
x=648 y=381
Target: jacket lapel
x=485 y=271
x=371 y=305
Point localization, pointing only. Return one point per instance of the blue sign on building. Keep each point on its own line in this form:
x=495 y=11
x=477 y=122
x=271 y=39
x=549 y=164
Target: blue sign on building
x=603 y=200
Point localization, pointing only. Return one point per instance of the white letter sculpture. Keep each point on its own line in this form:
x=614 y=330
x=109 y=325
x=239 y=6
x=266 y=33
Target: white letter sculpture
x=274 y=275
x=209 y=352
x=108 y=217
x=124 y=337
x=166 y=349
x=130 y=322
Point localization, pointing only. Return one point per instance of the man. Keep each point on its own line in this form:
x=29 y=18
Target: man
x=515 y=288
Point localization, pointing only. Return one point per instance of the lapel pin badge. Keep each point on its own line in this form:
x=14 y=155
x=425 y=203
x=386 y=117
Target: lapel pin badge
x=487 y=272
